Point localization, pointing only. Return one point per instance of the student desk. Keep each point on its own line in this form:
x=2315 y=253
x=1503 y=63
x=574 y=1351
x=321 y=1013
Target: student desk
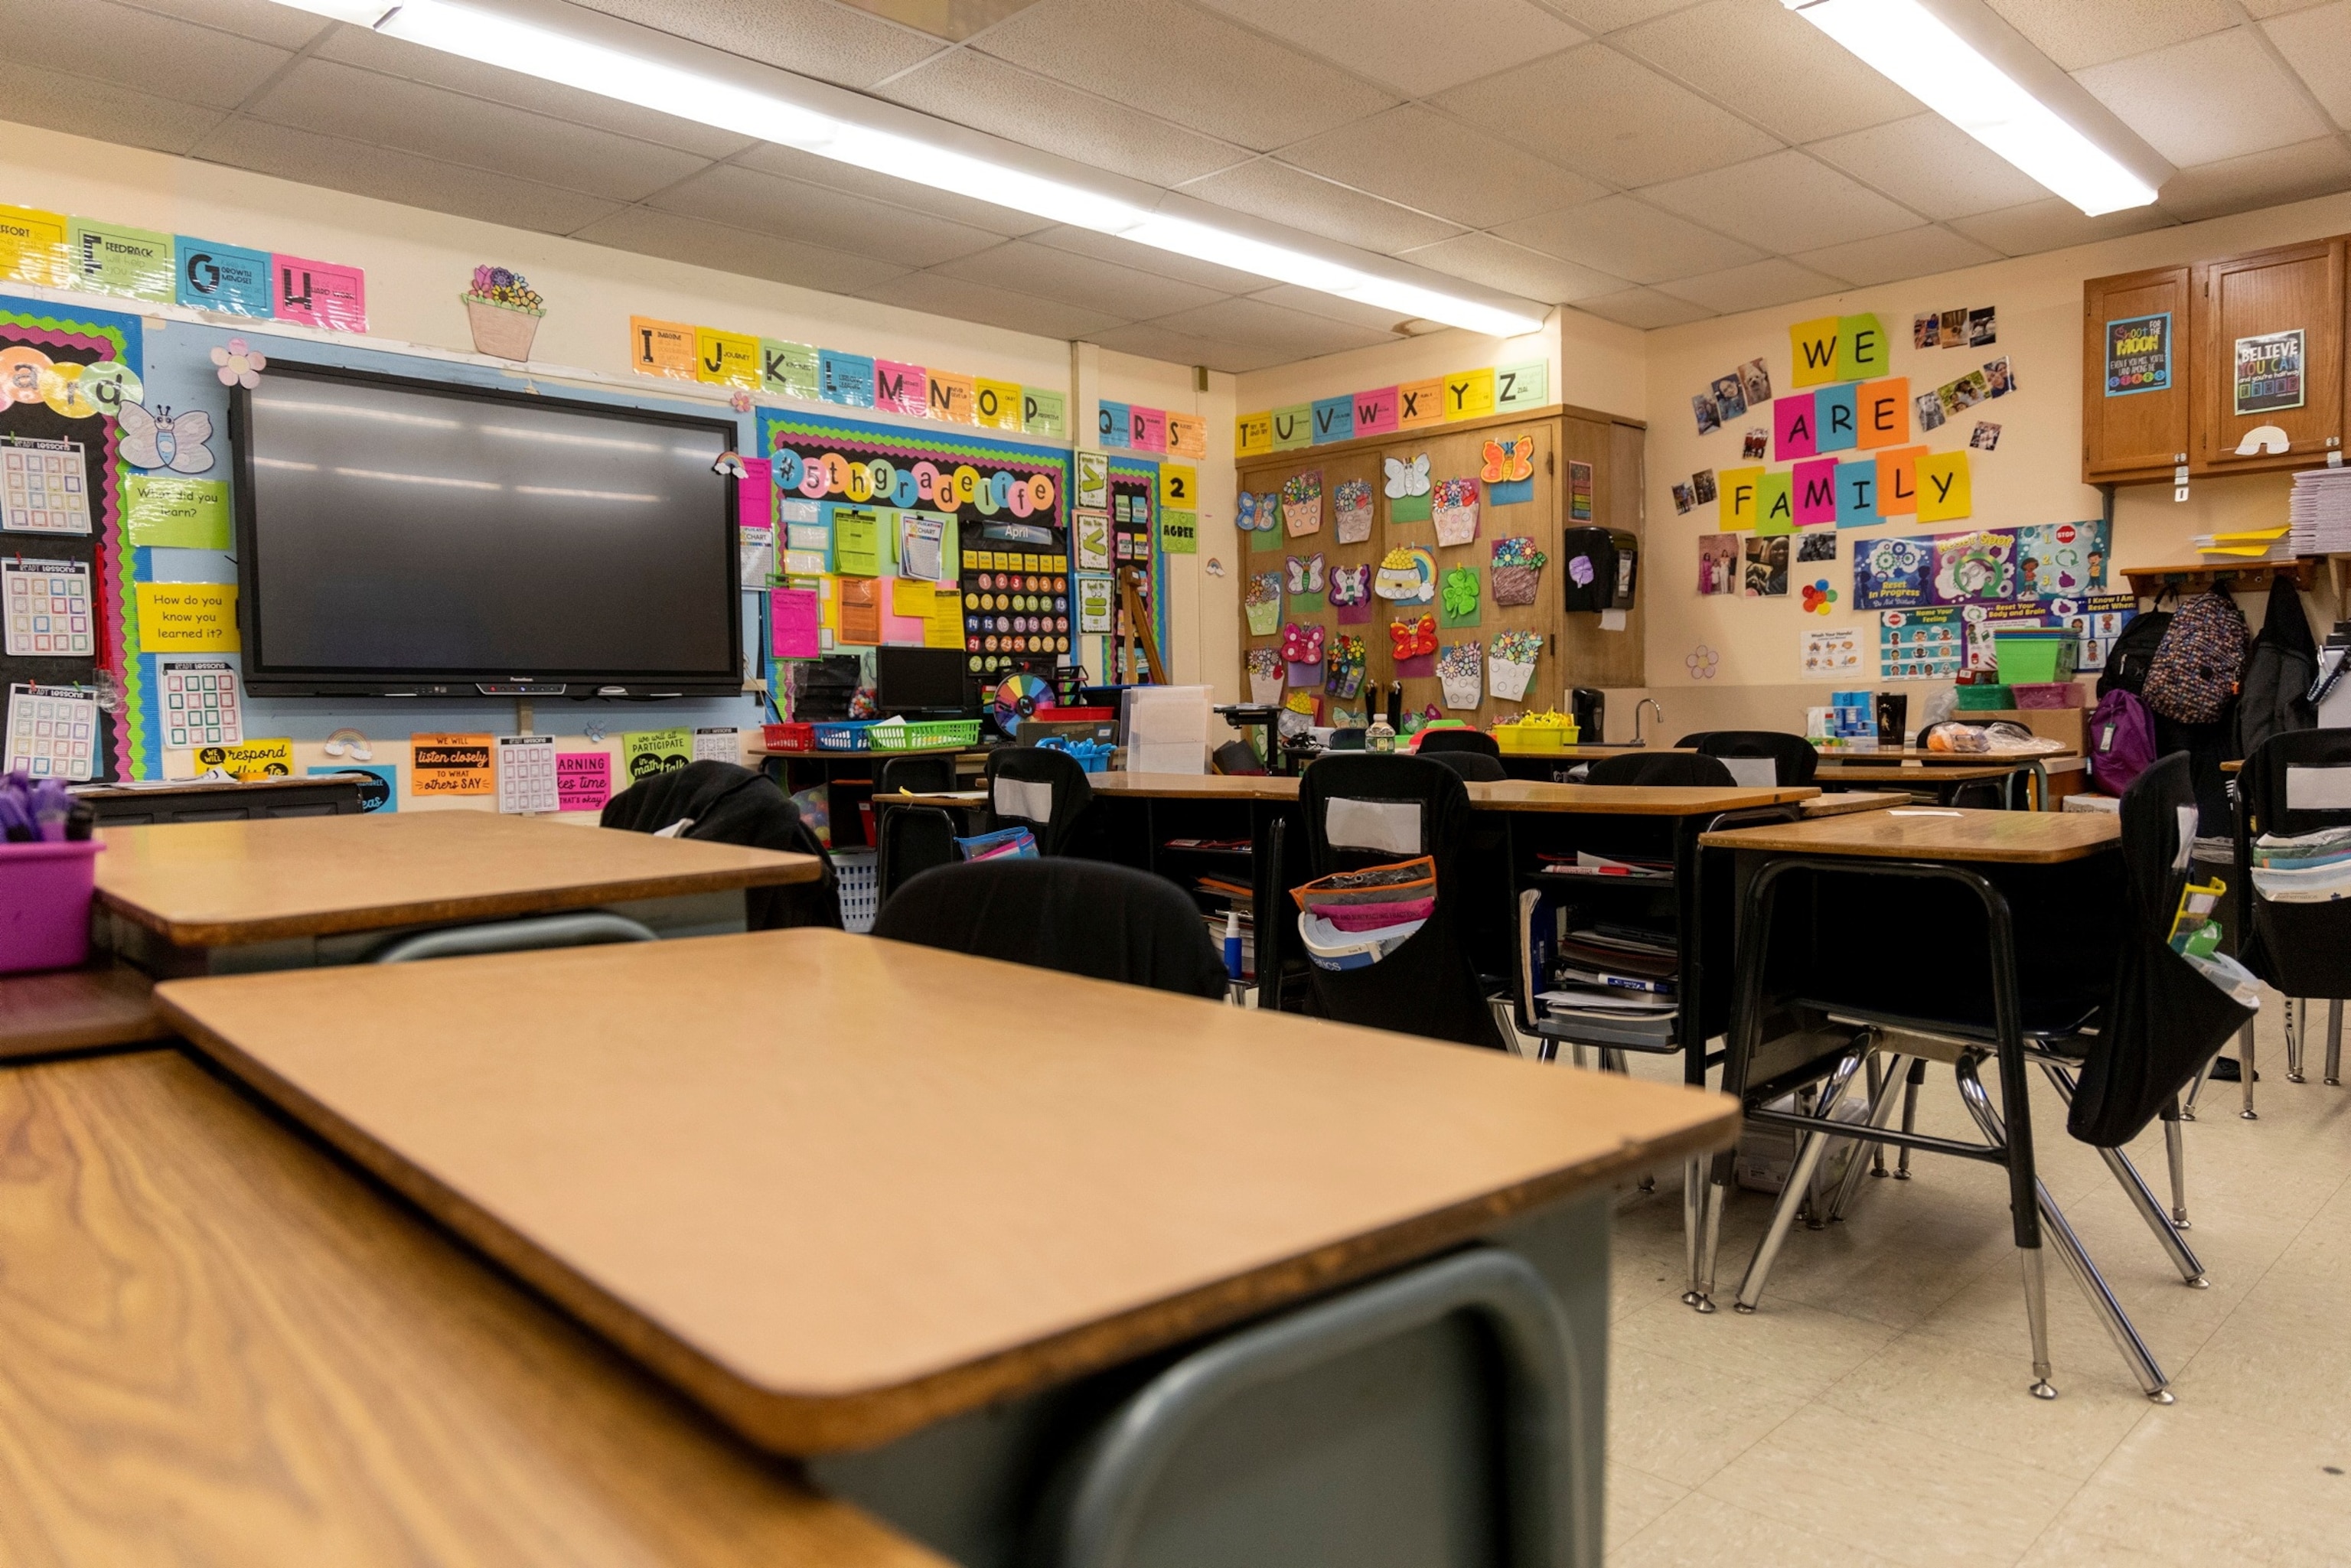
x=1853 y=800
x=99 y=1006
x=228 y=1349
x=220 y=800
x=1941 y=778
x=849 y=779
x=220 y=896
x=931 y=1243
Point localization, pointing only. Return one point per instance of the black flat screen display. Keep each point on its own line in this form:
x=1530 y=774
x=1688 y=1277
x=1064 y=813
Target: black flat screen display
x=397 y=535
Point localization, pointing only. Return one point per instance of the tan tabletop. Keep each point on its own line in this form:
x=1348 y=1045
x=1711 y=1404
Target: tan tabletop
x=1195 y=786
x=953 y=800
x=1912 y=773
x=1500 y=795
x=77 y=1010
x=815 y=1181
x=1940 y=759
x=1854 y=800
x=215 y=885
x=227 y=1350
x=2027 y=838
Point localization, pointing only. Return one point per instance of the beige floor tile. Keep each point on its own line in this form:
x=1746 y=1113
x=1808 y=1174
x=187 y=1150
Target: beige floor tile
x=1682 y=1423
x=1898 y=1492
x=2267 y=1484
x=1980 y=1401
x=1786 y=1344
x=1635 y=1500
x=2282 y=1357
x=1701 y=1531
x=2108 y=1524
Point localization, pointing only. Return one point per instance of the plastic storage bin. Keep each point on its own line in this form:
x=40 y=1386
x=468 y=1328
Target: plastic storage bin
x=1974 y=699
x=843 y=735
x=2036 y=654
x=2047 y=694
x=45 y=891
x=1523 y=740
x=861 y=888
x=789 y=736
x=922 y=735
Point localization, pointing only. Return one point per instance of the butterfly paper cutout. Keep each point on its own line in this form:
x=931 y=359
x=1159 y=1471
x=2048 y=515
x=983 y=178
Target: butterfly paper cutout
x=157 y=439
x=1302 y=643
x=1408 y=479
x=1412 y=639
x=1509 y=460
x=1305 y=574
x=1350 y=584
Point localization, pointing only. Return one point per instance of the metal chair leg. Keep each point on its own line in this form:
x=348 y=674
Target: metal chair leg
x=2245 y=1070
x=1709 y=1242
x=2297 y=1025
x=1808 y=1160
x=2195 y=1088
x=1693 y=1221
x=1909 y=1114
x=2335 y=1039
x=1876 y=1151
x=2135 y=1187
x=2174 y=1154
x=1881 y=1105
x=2036 y=1320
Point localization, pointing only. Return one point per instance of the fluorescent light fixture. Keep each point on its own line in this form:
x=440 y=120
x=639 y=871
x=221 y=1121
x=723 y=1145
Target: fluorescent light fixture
x=636 y=65
x=1963 y=61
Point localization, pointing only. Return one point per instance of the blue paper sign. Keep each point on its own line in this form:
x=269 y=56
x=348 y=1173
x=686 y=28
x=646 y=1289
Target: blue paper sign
x=222 y=278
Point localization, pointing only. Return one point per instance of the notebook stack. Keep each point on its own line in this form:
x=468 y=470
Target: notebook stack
x=2320 y=511
x=1613 y=985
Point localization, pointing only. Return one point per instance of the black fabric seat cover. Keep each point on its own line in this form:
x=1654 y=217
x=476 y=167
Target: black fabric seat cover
x=1792 y=755
x=1666 y=769
x=732 y=805
x=1071 y=793
x=2303 y=949
x=1082 y=917
x=1451 y=739
x=1474 y=766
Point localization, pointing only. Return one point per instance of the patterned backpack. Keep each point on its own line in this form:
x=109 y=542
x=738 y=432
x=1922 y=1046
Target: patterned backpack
x=2196 y=669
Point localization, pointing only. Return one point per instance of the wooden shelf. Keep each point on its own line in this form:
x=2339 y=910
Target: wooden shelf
x=2243 y=577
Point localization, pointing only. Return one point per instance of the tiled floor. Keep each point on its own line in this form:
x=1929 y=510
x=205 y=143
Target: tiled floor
x=1874 y=1409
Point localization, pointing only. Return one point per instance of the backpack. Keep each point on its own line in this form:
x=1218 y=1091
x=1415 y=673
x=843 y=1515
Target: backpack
x=2122 y=741
x=2279 y=674
x=2133 y=652
x=2200 y=660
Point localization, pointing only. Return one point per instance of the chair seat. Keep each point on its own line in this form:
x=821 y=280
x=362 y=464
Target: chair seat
x=2051 y=1024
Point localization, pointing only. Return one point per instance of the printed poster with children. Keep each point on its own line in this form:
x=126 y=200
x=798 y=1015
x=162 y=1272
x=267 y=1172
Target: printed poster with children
x=1943 y=596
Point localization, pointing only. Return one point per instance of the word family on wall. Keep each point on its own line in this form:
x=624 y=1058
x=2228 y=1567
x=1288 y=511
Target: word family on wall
x=52 y=250
x=1407 y=405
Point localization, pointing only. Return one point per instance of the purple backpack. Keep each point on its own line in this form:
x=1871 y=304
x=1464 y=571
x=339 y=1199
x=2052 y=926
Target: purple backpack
x=2122 y=741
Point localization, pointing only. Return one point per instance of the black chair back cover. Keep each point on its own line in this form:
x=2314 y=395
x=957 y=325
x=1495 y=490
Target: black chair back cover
x=1450 y=739
x=1474 y=766
x=1083 y=917
x=1033 y=764
x=732 y=805
x=1350 y=738
x=1428 y=985
x=916 y=776
x=1659 y=768
x=2163 y=1020
x=1791 y=755
x=913 y=839
x=2303 y=949
x=1238 y=758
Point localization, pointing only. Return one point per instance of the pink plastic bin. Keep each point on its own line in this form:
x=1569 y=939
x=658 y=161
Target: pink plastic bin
x=45 y=890
x=2046 y=695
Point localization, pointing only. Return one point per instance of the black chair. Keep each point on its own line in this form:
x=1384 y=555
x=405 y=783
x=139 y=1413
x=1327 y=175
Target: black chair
x=732 y=805
x=914 y=839
x=1350 y=738
x=1476 y=767
x=2120 y=1057
x=1372 y=811
x=1083 y=917
x=1659 y=768
x=1450 y=739
x=2303 y=949
x=1793 y=758
x=916 y=776
x=1238 y=758
x=1042 y=790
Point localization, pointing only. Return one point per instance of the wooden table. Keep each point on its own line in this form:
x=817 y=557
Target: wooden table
x=1939 y=780
x=842 y=1220
x=222 y=800
x=1485 y=795
x=190 y=897
x=2011 y=837
x=89 y=1009
x=226 y=1349
x=1926 y=757
x=1853 y=800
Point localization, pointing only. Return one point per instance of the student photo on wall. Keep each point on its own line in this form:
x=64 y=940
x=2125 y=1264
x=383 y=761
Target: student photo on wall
x=1702 y=486
x=1683 y=501
x=1955 y=329
x=1767 y=567
x=1986 y=436
x=1708 y=421
x=1718 y=563
x=1930 y=411
x=1752 y=449
x=1729 y=398
x=1982 y=326
x=1816 y=544
x=1999 y=379
x=1922 y=329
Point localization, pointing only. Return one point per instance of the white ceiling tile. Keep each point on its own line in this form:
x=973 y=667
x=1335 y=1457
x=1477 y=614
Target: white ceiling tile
x=2053 y=223
x=1913 y=253
x=1378 y=318
x=262 y=20
x=1147 y=340
x=1285 y=195
x=1927 y=163
x=1782 y=202
x=1643 y=308
x=1610 y=15
x=342 y=101
x=1780 y=72
x=811 y=37
x=1122 y=292
x=2216 y=97
x=393 y=56
x=988 y=94
x=1184 y=65
x=964 y=301
x=2317 y=44
x=390 y=175
x=1775 y=280
x=1149 y=258
x=2268 y=178
x=817 y=214
x=1625 y=238
x=1426 y=159
x=954 y=20
x=1499 y=264
x=725 y=249
x=1393 y=42
x=807 y=167
x=1253 y=323
x=159 y=54
x=37 y=96
x=2078 y=34
x=1604 y=114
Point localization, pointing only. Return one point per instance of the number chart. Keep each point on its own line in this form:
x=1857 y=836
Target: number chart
x=527 y=774
x=48 y=611
x=200 y=705
x=44 y=488
x=52 y=732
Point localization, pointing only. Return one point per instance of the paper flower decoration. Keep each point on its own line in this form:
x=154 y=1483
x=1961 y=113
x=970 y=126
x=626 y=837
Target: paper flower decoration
x=1520 y=647
x=1455 y=504
x=741 y=402
x=1412 y=639
x=1265 y=588
x=1461 y=592
x=1461 y=668
x=1509 y=460
x=1820 y=599
x=1265 y=660
x=1350 y=585
x=239 y=364
x=496 y=285
x=1408 y=479
x=1702 y=661
x=1302 y=643
x=1407 y=573
x=1352 y=500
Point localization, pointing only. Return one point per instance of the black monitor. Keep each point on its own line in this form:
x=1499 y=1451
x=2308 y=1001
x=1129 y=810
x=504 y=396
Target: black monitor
x=920 y=681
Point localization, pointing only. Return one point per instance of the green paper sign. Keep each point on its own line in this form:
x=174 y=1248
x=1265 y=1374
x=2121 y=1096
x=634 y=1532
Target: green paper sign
x=163 y=510
x=1044 y=413
x=114 y=260
x=646 y=752
x=1179 y=532
x=1521 y=386
x=1293 y=427
x=788 y=367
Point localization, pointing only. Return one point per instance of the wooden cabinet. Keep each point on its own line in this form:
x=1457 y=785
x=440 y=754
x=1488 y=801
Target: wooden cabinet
x=2134 y=382
x=2253 y=317
x=1581 y=460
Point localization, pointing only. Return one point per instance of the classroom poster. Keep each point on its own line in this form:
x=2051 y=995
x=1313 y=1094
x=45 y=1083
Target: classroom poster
x=451 y=765
x=379 y=789
x=2269 y=372
x=646 y=752
x=1925 y=644
x=249 y=759
x=2138 y=354
x=583 y=780
x=1981 y=565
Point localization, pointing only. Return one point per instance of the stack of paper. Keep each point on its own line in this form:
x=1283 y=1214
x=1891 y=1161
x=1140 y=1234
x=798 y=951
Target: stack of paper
x=2320 y=511
x=2249 y=544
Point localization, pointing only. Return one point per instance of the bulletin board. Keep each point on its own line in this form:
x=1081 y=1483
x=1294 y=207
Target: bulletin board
x=1134 y=542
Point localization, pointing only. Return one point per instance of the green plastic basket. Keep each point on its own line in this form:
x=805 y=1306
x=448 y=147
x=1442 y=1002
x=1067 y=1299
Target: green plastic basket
x=1974 y=698
x=922 y=735
x=2035 y=657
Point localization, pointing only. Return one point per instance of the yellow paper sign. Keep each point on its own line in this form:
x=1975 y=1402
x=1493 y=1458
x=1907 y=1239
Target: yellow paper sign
x=1179 y=486
x=1470 y=395
x=1737 y=495
x=1253 y=433
x=944 y=626
x=997 y=403
x=660 y=347
x=187 y=617
x=1812 y=349
x=1943 y=488
x=33 y=247
x=254 y=759
x=726 y=359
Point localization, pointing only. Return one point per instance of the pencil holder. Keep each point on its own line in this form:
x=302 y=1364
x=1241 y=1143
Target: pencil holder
x=44 y=893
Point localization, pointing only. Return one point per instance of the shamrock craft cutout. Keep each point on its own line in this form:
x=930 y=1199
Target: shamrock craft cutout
x=1350 y=584
x=1459 y=600
x=1408 y=479
x=1820 y=599
x=1509 y=460
x=1413 y=639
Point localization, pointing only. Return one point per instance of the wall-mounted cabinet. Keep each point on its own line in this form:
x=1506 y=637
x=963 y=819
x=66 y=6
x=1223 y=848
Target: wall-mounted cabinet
x=2180 y=363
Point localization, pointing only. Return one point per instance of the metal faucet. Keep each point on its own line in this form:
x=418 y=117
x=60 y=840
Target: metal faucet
x=1645 y=702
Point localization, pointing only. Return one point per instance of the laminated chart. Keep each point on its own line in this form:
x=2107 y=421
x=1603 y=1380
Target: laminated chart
x=200 y=702
x=527 y=774
x=44 y=488
x=48 y=609
x=52 y=732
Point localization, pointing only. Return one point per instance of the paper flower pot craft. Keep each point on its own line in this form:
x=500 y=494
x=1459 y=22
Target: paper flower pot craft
x=1517 y=570
x=1414 y=644
x=1265 y=676
x=1301 y=650
x=1511 y=661
x=504 y=311
x=1351 y=593
x=1352 y=502
x=1262 y=604
x=1342 y=667
x=1408 y=575
x=1456 y=506
x=1461 y=668
x=1301 y=503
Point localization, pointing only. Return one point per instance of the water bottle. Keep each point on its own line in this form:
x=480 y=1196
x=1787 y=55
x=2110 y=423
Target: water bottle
x=1232 y=944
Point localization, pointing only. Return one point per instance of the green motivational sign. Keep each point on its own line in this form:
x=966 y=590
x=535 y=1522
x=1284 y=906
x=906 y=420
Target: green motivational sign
x=167 y=511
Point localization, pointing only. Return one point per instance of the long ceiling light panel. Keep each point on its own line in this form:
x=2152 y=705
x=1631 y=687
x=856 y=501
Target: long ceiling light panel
x=1963 y=61
x=636 y=65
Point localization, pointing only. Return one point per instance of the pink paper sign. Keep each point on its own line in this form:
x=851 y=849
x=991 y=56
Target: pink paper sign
x=795 y=619
x=1793 y=432
x=901 y=389
x=1815 y=492
x=1146 y=428
x=755 y=503
x=583 y=780
x=321 y=294
x=1375 y=412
